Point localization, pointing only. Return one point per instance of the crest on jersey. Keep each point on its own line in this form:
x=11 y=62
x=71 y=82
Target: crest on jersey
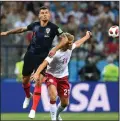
x=47 y=32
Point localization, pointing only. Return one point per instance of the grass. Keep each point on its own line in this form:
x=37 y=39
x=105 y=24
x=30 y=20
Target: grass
x=65 y=116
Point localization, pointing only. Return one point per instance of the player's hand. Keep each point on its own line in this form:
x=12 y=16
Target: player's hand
x=35 y=77
x=88 y=34
x=3 y=33
x=52 y=52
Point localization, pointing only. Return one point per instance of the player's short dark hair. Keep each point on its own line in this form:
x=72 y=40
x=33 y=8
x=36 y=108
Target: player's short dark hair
x=44 y=8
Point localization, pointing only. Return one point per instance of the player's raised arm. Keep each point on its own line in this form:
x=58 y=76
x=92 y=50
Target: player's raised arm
x=14 y=31
x=78 y=43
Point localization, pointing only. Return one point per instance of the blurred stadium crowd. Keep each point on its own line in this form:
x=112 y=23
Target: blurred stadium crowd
x=73 y=17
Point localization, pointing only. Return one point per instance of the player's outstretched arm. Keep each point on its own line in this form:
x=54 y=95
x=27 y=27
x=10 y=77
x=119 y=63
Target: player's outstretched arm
x=78 y=43
x=63 y=40
x=42 y=66
x=36 y=75
x=14 y=31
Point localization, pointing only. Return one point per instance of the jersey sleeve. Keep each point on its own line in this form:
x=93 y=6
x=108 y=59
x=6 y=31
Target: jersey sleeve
x=73 y=46
x=48 y=59
x=30 y=26
x=58 y=31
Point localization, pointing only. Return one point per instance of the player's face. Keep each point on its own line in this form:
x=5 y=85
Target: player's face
x=70 y=39
x=44 y=15
x=69 y=45
x=70 y=42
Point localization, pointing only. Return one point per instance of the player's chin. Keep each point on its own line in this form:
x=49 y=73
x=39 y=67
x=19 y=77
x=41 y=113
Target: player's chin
x=70 y=47
x=45 y=20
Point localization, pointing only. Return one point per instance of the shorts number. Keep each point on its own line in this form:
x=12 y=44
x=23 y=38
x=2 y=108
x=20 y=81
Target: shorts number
x=66 y=92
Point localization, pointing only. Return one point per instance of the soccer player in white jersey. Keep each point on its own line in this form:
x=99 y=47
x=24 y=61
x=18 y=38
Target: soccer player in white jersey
x=57 y=75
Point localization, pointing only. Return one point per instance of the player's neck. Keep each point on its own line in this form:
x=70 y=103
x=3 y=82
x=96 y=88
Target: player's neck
x=66 y=48
x=63 y=49
x=43 y=23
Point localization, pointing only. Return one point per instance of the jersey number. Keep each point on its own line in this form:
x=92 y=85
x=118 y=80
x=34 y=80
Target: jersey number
x=66 y=92
x=65 y=60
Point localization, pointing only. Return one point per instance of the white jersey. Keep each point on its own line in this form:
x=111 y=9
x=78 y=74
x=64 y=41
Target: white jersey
x=58 y=65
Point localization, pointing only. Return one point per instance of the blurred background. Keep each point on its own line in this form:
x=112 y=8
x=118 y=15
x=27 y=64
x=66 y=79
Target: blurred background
x=90 y=63
x=73 y=17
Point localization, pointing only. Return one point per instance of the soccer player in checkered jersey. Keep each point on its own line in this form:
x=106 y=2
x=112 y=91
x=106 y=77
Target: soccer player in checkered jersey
x=57 y=74
x=43 y=35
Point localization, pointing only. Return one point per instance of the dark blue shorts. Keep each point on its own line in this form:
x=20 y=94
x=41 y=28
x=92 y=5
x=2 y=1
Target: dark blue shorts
x=31 y=63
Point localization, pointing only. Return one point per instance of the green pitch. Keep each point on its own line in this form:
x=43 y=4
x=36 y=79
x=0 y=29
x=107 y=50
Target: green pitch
x=65 y=116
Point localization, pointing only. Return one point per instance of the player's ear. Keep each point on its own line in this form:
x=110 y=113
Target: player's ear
x=72 y=37
x=50 y=14
x=39 y=15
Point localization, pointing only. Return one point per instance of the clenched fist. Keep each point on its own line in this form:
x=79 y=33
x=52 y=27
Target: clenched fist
x=88 y=34
x=3 y=33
